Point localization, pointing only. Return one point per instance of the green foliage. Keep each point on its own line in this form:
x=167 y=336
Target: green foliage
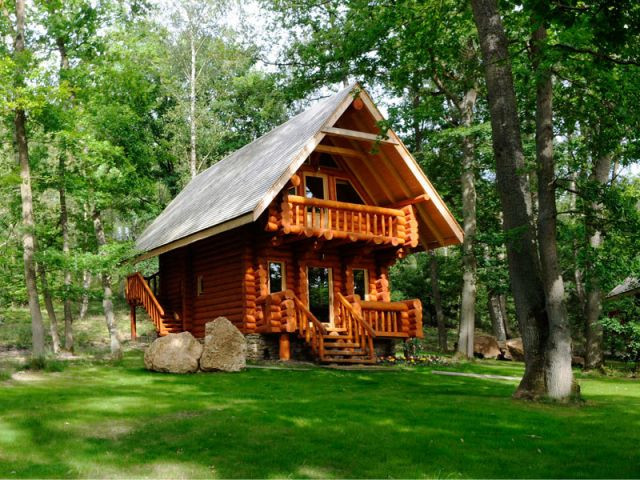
x=622 y=329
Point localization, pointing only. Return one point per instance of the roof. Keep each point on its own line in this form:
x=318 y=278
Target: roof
x=235 y=185
x=628 y=287
x=236 y=190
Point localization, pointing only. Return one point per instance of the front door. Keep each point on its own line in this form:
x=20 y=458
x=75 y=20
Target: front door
x=320 y=286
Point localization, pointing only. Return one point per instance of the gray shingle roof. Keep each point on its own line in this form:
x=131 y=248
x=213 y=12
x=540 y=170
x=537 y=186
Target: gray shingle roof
x=235 y=185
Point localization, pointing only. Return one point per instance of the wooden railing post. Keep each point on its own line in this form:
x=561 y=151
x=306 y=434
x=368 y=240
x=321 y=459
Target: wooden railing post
x=132 y=314
x=285 y=347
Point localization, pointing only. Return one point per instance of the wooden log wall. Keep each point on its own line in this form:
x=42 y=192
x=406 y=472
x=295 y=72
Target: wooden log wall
x=221 y=261
x=172 y=266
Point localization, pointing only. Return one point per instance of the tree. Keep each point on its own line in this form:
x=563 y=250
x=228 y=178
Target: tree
x=22 y=58
x=515 y=197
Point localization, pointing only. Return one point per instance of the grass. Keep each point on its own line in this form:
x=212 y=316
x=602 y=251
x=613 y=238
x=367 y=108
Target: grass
x=96 y=419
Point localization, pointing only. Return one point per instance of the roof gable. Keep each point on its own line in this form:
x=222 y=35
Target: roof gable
x=238 y=189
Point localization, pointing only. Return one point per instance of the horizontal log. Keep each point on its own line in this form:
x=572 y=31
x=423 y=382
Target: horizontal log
x=384 y=306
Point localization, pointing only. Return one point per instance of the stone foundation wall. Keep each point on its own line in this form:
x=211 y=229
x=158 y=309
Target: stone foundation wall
x=385 y=347
x=267 y=347
x=262 y=347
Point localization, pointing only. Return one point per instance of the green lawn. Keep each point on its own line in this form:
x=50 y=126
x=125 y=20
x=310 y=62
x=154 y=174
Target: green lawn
x=100 y=420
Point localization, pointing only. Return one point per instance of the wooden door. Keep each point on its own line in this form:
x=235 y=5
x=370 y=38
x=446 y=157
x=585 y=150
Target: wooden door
x=320 y=293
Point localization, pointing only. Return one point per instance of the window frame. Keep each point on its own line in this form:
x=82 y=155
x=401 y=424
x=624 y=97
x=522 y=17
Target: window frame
x=283 y=272
x=366 y=281
x=338 y=178
x=325 y=184
x=199 y=285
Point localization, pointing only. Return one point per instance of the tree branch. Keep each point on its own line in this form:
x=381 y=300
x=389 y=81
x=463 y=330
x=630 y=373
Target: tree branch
x=593 y=53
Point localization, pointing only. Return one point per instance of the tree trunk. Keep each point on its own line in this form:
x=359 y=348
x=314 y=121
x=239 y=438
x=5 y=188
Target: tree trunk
x=469 y=262
x=515 y=196
x=193 y=166
x=505 y=319
x=28 y=235
x=86 y=283
x=107 y=302
x=437 y=303
x=559 y=376
x=593 y=356
x=578 y=276
x=498 y=322
x=64 y=221
x=51 y=313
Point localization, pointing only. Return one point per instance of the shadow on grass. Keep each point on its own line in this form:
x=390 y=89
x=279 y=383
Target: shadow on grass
x=121 y=421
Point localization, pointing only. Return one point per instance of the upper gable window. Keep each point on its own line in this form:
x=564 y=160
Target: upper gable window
x=345 y=192
x=326 y=160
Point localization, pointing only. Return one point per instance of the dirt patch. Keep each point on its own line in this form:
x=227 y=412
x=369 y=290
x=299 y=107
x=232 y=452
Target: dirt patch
x=29 y=376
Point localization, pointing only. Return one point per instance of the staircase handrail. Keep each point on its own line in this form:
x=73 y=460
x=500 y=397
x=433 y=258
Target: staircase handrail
x=137 y=276
x=356 y=315
x=318 y=324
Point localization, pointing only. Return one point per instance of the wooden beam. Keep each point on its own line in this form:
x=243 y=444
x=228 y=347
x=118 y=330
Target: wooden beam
x=345 y=152
x=357 y=135
x=411 y=201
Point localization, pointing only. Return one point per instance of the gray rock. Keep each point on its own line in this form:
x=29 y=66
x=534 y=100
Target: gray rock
x=225 y=348
x=173 y=353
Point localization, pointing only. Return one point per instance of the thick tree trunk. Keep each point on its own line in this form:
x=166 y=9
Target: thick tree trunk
x=28 y=235
x=515 y=196
x=469 y=262
x=497 y=314
x=437 y=302
x=559 y=376
x=593 y=356
x=86 y=283
x=51 y=313
x=107 y=302
x=193 y=165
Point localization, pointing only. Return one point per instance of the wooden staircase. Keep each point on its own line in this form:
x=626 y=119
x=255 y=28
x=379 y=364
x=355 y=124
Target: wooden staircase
x=140 y=294
x=350 y=341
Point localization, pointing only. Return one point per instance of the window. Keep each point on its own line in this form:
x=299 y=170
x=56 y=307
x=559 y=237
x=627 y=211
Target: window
x=361 y=282
x=199 y=285
x=292 y=191
x=314 y=187
x=326 y=160
x=277 y=281
x=345 y=192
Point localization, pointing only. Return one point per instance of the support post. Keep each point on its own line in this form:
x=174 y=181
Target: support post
x=132 y=314
x=285 y=347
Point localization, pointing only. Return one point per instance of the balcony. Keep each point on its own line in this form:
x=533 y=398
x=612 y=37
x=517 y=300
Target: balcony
x=329 y=219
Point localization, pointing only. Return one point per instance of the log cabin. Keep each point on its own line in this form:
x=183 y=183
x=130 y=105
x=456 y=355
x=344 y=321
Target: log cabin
x=292 y=236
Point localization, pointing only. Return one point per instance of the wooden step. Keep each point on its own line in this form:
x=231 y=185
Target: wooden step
x=348 y=360
x=342 y=345
x=346 y=353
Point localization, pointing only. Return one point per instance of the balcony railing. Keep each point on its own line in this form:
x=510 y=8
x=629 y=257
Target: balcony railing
x=329 y=219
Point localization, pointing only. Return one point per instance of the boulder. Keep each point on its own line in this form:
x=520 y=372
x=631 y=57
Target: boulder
x=173 y=353
x=516 y=350
x=225 y=348
x=485 y=346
